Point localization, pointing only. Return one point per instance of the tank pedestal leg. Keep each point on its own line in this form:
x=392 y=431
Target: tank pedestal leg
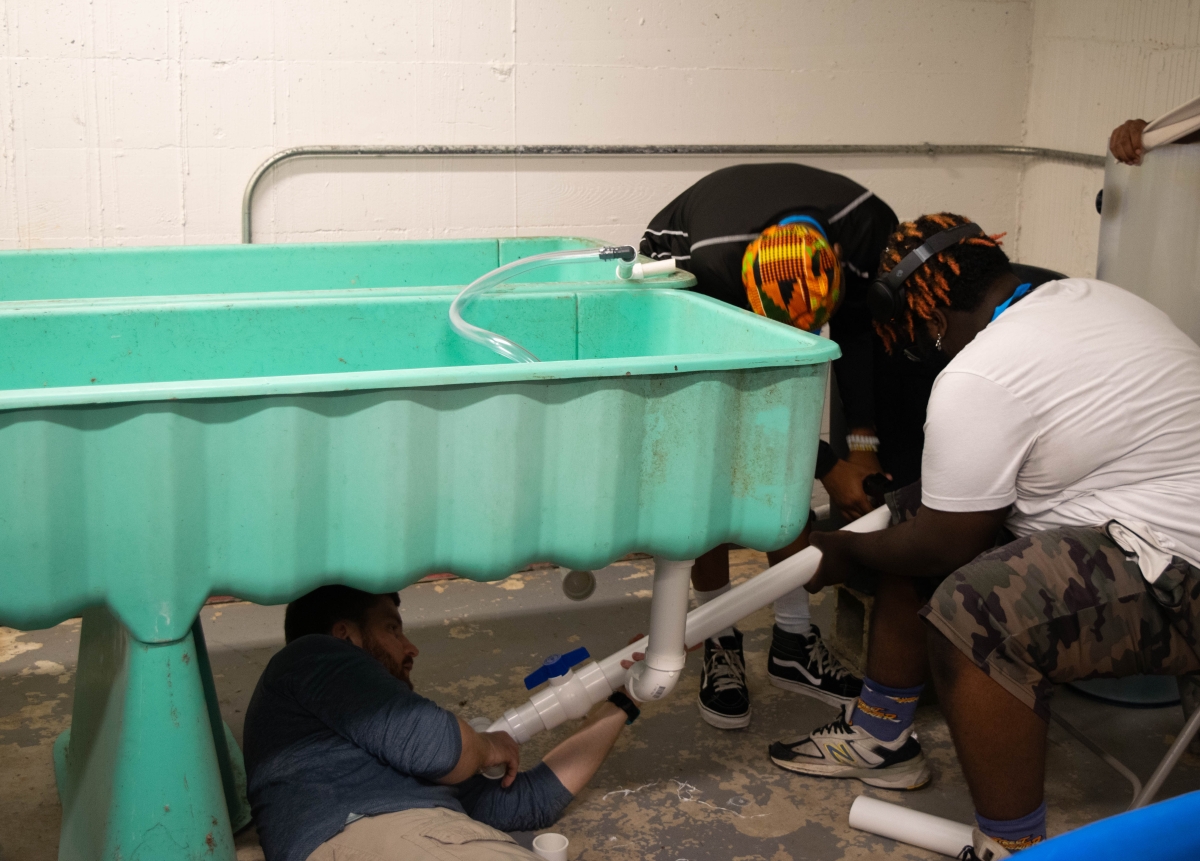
x=141 y=773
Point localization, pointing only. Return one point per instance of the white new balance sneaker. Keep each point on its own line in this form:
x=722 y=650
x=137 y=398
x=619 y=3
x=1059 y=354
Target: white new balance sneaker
x=840 y=749
x=986 y=848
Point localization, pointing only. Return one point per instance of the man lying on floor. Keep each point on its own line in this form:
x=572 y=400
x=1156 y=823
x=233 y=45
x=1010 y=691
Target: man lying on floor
x=1055 y=535
x=345 y=761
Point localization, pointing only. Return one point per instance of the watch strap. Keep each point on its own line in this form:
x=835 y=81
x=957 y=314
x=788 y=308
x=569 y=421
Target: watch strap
x=626 y=705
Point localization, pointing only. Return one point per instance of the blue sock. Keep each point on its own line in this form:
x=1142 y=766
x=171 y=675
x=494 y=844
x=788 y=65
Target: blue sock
x=1016 y=834
x=885 y=712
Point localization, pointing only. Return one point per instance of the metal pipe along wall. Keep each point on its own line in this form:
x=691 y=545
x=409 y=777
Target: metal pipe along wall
x=927 y=149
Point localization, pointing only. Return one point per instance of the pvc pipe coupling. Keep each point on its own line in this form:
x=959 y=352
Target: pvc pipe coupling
x=578 y=585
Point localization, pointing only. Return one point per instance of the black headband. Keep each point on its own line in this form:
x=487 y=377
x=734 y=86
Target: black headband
x=885 y=296
x=935 y=244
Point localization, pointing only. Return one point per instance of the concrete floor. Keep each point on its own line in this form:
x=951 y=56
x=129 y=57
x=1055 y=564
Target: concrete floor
x=673 y=789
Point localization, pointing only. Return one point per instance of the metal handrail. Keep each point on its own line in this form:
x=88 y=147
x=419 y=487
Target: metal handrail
x=926 y=149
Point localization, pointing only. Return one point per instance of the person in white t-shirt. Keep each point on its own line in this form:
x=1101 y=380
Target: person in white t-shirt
x=1055 y=535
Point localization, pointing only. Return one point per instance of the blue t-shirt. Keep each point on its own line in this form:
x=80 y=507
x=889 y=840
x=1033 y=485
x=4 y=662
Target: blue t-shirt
x=330 y=733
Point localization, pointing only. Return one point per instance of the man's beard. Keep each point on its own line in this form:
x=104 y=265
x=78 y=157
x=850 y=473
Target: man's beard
x=394 y=667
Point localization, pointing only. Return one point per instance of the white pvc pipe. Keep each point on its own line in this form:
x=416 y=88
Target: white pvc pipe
x=655 y=677
x=594 y=682
x=910 y=826
x=773 y=583
x=638 y=271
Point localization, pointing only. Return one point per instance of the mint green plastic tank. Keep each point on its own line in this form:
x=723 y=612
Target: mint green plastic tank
x=259 y=421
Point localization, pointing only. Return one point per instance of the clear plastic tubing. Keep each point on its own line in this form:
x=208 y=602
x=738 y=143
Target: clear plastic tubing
x=626 y=254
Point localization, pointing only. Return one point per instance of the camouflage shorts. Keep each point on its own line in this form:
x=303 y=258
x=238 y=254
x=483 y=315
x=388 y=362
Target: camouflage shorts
x=1065 y=605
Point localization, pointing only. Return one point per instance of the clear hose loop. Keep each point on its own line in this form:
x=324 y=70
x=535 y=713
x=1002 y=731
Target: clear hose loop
x=498 y=343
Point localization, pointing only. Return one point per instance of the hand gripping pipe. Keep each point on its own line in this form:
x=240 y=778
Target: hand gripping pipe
x=574 y=692
x=627 y=269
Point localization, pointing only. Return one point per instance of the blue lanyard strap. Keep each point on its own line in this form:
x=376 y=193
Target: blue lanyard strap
x=1017 y=294
x=803 y=219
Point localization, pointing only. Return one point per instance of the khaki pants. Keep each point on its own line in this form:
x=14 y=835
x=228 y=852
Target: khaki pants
x=426 y=834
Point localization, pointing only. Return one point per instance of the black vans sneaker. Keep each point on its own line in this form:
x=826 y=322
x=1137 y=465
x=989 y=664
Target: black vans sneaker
x=803 y=664
x=724 y=699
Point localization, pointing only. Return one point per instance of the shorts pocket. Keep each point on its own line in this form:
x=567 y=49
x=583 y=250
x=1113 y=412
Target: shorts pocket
x=463 y=830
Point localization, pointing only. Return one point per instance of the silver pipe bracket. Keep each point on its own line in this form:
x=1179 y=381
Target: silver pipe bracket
x=543 y=150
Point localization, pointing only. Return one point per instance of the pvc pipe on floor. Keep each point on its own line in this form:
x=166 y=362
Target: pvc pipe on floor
x=910 y=826
x=600 y=679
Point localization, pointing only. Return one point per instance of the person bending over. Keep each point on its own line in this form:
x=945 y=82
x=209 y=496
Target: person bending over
x=1055 y=534
x=345 y=761
x=798 y=245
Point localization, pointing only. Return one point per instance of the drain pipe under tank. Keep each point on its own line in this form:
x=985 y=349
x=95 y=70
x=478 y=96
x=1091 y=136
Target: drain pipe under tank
x=572 y=692
x=655 y=676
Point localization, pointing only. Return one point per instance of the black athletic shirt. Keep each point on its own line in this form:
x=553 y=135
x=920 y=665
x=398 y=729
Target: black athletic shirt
x=707 y=228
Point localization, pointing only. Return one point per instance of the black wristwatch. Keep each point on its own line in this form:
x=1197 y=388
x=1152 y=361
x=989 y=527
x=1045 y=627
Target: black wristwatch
x=626 y=705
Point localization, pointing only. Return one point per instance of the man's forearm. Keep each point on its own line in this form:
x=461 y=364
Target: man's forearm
x=480 y=751
x=898 y=550
x=931 y=544
x=576 y=760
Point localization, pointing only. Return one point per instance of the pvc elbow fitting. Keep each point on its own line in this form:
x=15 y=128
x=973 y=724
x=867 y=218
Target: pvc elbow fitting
x=655 y=677
x=645 y=682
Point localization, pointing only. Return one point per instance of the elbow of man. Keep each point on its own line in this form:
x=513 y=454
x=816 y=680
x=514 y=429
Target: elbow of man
x=949 y=540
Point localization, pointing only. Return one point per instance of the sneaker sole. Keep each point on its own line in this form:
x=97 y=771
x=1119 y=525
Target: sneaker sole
x=904 y=776
x=721 y=721
x=810 y=691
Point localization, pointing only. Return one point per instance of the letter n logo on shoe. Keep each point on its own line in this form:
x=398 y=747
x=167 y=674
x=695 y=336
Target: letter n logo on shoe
x=840 y=754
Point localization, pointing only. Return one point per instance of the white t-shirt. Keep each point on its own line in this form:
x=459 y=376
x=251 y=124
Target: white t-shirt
x=1079 y=405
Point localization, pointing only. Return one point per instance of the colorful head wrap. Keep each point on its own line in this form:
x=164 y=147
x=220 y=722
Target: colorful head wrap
x=792 y=274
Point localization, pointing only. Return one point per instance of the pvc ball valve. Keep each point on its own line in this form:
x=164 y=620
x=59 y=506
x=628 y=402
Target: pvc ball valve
x=556 y=667
x=579 y=585
x=599 y=679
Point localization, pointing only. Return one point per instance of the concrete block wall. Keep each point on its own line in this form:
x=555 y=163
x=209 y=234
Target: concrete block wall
x=139 y=121
x=1095 y=64
x=127 y=122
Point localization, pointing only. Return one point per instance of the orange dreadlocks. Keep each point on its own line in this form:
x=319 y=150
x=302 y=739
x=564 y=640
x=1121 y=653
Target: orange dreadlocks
x=955 y=278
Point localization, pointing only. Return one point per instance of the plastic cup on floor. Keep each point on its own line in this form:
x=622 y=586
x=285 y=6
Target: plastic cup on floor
x=552 y=847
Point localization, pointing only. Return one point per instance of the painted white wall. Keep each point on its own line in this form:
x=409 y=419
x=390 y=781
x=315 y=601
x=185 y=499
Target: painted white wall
x=139 y=121
x=126 y=122
x=1095 y=64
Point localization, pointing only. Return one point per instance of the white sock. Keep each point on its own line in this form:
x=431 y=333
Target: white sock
x=792 y=612
x=705 y=597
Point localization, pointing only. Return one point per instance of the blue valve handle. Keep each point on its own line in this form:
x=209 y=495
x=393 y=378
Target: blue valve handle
x=555 y=666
